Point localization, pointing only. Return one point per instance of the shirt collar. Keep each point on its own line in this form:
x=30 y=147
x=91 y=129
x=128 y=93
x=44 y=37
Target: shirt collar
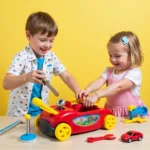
x=32 y=55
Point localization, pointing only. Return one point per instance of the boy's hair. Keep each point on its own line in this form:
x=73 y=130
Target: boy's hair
x=41 y=22
x=133 y=47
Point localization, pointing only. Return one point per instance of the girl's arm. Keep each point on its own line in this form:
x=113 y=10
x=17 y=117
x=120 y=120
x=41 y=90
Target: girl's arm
x=96 y=84
x=120 y=86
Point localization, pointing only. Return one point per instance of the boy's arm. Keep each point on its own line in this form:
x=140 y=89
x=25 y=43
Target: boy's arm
x=12 y=81
x=96 y=84
x=120 y=86
x=70 y=81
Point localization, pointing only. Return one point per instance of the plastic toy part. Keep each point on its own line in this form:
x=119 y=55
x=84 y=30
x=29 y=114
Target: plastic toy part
x=11 y=126
x=109 y=122
x=38 y=102
x=105 y=137
x=131 y=136
x=60 y=103
x=28 y=136
x=62 y=131
x=36 y=120
x=137 y=111
x=139 y=120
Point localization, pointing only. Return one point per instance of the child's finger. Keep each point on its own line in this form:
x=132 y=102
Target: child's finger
x=39 y=81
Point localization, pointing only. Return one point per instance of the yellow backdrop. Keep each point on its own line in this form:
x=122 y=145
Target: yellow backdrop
x=85 y=26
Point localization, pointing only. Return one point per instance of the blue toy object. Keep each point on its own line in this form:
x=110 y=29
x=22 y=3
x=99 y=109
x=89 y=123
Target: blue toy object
x=28 y=136
x=137 y=111
x=11 y=126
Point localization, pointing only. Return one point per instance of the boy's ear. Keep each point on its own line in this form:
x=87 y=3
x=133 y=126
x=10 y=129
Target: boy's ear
x=28 y=35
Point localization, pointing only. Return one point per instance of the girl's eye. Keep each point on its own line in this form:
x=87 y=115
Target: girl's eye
x=118 y=56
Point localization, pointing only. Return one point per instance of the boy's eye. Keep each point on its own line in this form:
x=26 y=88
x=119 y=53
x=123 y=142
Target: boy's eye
x=42 y=40
x=51 y=41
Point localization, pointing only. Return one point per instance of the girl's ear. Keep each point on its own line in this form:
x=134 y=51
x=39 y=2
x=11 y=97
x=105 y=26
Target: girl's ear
x=28 y=35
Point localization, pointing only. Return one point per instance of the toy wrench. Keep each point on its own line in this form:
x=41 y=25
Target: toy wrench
x=105 y=137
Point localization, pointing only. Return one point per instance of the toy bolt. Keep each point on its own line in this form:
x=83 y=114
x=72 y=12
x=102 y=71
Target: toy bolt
x=28 y=136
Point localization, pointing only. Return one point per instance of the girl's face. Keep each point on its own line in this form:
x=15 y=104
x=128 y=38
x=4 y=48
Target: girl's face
x=118 y=56
x=40 y=43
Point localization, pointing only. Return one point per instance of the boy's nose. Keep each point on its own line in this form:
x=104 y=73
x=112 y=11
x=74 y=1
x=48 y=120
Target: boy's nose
x=47 y=45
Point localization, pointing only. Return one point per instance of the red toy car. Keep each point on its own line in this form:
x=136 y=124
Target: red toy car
x=132 y=136
x=64 y=119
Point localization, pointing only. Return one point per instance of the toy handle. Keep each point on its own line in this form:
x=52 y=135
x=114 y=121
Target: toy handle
x=10 y=126
x=38 y=102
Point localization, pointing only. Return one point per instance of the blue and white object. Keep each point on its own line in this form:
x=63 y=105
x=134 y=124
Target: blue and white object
x=10 y=126
x=28 y=136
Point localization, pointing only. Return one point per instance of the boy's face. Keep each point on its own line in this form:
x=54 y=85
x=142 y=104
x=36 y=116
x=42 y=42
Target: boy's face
x=40 y=43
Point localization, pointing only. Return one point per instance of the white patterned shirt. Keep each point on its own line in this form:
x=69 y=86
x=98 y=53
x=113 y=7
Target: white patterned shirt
x=24 y=62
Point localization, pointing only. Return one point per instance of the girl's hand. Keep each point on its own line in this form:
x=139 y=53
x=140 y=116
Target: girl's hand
x=81 y=95
x=35 y=76
x=90 y=100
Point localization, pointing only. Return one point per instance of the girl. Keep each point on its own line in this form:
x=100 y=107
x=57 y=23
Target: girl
x=123 y=80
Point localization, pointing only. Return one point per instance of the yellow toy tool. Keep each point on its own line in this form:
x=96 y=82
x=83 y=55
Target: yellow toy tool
x=139 y=120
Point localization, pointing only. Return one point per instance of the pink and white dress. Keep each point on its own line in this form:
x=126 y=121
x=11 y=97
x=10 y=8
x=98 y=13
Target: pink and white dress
x=118 y=103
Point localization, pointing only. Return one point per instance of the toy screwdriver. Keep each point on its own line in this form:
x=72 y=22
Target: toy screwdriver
x=105 y=137
x=54 y=91
x=46 y=82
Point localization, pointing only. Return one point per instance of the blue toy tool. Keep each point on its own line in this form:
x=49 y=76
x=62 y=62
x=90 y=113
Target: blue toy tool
x=11 y=126
x=28 y=136
x=137 y=111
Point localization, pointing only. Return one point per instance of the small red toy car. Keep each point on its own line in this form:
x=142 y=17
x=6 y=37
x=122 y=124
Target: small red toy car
x=132 y=136
x=64 y=119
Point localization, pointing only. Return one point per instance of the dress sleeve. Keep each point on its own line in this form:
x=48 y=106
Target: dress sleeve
x=105 y=73
x=17 y=65
x=58 y=67
x=135 y=76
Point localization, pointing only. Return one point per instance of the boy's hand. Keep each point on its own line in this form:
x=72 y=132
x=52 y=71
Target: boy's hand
x=35 y=76
x=90 y=100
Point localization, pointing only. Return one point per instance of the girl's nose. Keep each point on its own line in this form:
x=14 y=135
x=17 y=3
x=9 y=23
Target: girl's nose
x=113 y=59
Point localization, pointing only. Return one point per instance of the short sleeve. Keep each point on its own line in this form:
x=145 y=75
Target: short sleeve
x=105 y=73
x=17 y=65
x=58 y=67
x=135 y=76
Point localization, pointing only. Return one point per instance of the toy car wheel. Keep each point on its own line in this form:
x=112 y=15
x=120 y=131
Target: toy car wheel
x=37 y=120
x=129 y=140
x=109 y=122
x=63 y=131
x=140 y=138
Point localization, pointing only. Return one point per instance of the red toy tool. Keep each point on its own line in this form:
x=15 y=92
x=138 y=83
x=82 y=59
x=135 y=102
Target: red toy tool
x=105 y=137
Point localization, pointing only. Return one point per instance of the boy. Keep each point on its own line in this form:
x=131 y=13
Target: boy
x=34 y=63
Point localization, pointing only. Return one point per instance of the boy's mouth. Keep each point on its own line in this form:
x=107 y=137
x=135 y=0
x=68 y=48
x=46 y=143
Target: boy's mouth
x=43 y=50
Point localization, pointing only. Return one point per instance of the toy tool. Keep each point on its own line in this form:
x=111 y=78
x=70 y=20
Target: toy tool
x=28 y=136
x=11 y=126
x=105 y=137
